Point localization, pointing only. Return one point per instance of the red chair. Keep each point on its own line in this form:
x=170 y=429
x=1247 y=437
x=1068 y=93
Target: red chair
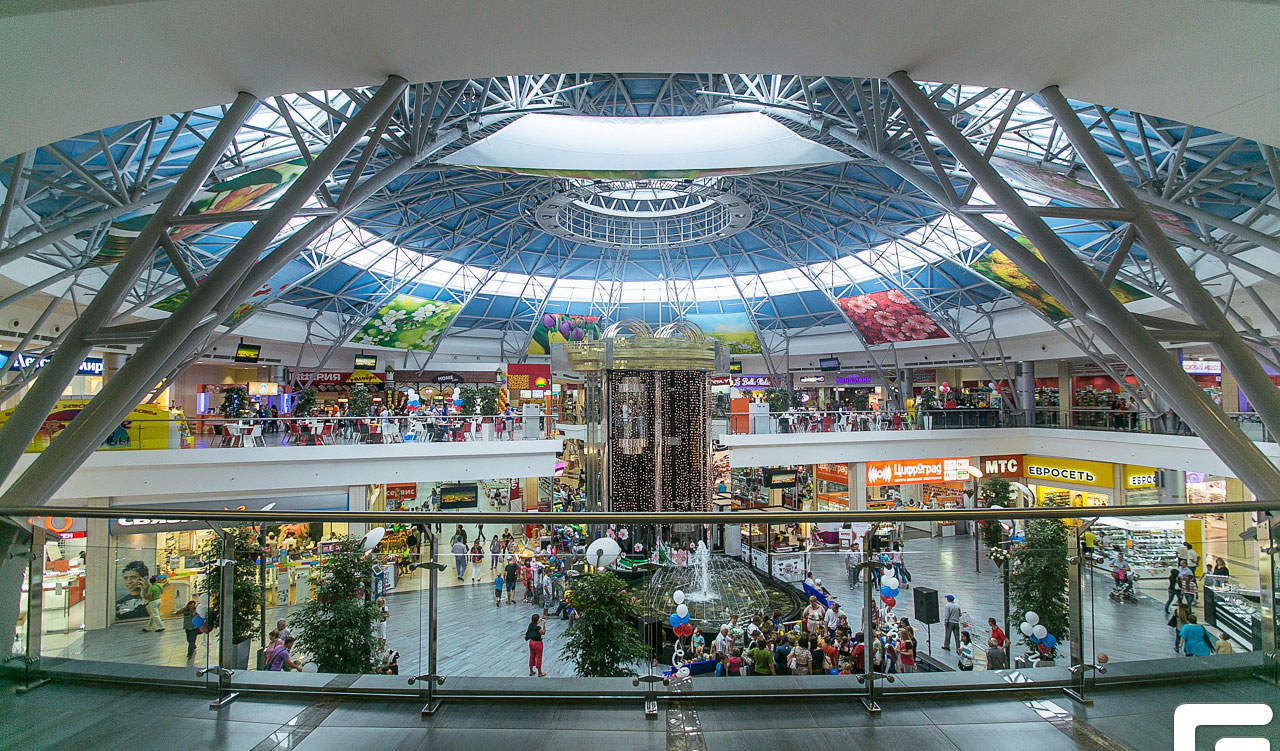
x=326 y=434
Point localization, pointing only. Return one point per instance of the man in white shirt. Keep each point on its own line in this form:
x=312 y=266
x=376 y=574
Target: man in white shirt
x=832 y=617
x=722 y=643
x=1187 y=556
x=813 y=615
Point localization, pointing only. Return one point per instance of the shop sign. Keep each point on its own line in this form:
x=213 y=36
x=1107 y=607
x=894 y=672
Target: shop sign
x=447 y=378
x=62 y=527
x=1202 y=367
x=813 y=379
x=753 y=381
x=915 y=471
x=1138 y=477
x=525 y=376
x=142 y=524
x=400 y=492
x=924 y=375
x=853 y=378
x=721 y=381
x=364 y=376
x=835 y=473
x=1195 y=477
x=88 y=366
x=1074 y=471
x=1003 y=465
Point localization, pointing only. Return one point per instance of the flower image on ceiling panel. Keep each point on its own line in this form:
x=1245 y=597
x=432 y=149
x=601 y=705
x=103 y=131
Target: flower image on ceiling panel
x=407 y=322
x=997 y=267
x=889 y=316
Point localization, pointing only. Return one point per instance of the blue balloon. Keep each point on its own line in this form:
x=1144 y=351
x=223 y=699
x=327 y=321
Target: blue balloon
x=674 y=620
x=893 y=592
x=197 y=621
x=885 y=591
x=1049 y=640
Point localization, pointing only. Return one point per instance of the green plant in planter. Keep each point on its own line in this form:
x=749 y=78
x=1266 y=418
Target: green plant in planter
x=1038 y=572
x=336 y=628
x=245 y=593
x=861 y=400
x=235 y=402
x=995 y=491
x=470 y=402
x=603 y=643
x=359 y=401
x=305 y=403
x=780 y=400
x=487 y=400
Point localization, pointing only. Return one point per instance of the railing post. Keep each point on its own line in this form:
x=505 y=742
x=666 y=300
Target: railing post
x=35 y=611
x=433 y=591
x=1268 y=529
x=1078 y=668
x=226 y=621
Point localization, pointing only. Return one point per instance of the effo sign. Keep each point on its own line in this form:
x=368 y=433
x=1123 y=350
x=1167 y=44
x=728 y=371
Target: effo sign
x=915 y=471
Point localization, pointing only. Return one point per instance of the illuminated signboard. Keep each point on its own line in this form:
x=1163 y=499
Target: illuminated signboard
x=1202 y=367
x=853 y=378
x=915 y=471
x=88 y=366
x=1074 y=471
x=812 y=379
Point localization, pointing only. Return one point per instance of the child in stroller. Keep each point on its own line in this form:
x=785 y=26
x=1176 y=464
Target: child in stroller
x=1122 y=581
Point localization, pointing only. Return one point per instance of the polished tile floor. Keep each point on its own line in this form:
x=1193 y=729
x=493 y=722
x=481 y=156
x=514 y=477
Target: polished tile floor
x=65 y=716
x=477 y=638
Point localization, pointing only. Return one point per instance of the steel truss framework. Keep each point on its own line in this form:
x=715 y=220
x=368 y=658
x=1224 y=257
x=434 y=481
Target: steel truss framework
x=905 y=213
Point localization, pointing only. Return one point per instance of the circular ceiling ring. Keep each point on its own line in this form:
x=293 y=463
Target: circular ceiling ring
x=644 y=214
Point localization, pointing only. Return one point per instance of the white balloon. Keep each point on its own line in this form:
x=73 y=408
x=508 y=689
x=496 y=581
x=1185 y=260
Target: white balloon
x=683 y=672
x=995 y=505
x=1032 y=617
x=678 y=596
x=1039 y=632
x=682 y=610
x=372 y=538
x=817 y=582
x=310 y=667
x=1025 y=628
x=603 y=552
x=890 y=582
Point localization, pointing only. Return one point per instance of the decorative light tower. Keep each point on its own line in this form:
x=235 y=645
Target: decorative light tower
x=648 y=405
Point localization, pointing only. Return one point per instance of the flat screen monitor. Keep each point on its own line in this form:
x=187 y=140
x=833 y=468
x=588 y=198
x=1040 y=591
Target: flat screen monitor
x=247 y=352
x=366 y=362
x=459 y=496
x=735 y=366
x=829 y=363
x=780 y=477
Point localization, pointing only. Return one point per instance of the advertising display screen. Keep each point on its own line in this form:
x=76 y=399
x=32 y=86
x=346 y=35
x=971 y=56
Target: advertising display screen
x=780 y=477
x=459 y=496
x=248 y=352
x=366 y=362
x=829 y=363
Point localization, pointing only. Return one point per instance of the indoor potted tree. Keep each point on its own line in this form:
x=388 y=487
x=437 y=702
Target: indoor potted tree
x=603 y=642
x=246 y=595
x=336 y=629
x=1038 y=571
x=487 y=407
x=305 y=403
x=360 y=404
x=780 y=400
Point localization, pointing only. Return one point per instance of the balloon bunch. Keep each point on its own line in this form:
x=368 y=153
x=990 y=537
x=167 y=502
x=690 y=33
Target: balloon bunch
x=1036 y=632
x=412 y=401
x=679 y=620
x=889 y=590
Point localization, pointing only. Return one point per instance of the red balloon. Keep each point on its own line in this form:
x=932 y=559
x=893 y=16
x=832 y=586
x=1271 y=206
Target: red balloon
x=890 y=601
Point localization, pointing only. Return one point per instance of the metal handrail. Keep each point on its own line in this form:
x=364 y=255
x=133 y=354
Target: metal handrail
x=644 y=517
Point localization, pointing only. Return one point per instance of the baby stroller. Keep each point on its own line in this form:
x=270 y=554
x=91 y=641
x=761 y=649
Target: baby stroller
x=1122 y=586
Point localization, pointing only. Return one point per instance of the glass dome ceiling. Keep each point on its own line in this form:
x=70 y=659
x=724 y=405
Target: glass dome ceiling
x=770 y=202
